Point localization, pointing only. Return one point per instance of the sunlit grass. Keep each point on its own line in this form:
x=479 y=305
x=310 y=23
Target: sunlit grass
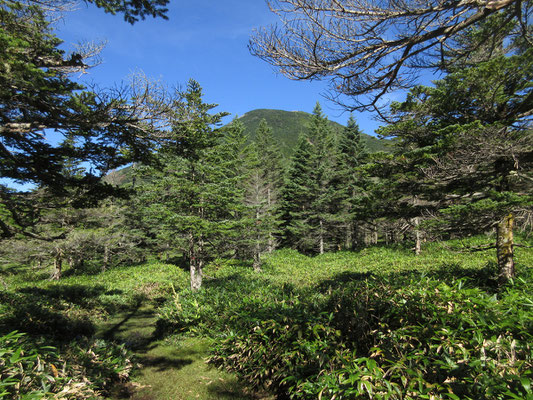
x=123 y=303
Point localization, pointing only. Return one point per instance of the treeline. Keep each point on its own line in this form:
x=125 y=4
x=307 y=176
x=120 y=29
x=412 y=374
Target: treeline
x=210 y=192
x=461 y=164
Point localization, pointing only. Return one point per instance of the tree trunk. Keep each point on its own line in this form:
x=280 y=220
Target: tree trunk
x=348 y=240
x=257 y=246
x=416 y=222
x=195 y=263
x=196 y=274
x=321 y=238
x=105 y=262
x=270 y=235
x=418 y=237
x=504 y=248
x=58 y=264
x=270 y=242
x=257 y=259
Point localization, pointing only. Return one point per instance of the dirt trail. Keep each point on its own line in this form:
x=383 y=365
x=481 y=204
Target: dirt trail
x=170 y=371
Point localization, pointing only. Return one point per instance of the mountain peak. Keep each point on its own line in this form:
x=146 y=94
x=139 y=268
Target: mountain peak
x=288 y=125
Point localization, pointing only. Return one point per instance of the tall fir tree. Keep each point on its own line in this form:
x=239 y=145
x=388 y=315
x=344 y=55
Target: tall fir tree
x=189 y=199
x=262 y=192
x=232 y=156
x=352 y=155
x=311 y=198
x=297 y=196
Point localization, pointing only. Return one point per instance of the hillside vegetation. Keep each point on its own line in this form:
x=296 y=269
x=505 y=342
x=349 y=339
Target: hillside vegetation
x=288 y=125
x=282 y=255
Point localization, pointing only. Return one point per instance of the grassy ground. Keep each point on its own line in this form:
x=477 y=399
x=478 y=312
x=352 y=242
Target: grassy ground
x=168 y=369
x=119 y=306
x=123 y=304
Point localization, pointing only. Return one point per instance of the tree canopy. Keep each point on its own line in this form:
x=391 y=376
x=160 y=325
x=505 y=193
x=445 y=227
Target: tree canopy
x=370 y=48
x=49 y=121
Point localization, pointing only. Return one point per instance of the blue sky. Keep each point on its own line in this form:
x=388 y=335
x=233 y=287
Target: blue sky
x=204 y=40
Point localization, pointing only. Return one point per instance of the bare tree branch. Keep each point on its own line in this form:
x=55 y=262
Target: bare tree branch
x=368 y=48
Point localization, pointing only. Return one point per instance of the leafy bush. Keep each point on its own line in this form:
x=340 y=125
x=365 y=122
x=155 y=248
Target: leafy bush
x=81 y=370
x=403 y=337
x=225 y=299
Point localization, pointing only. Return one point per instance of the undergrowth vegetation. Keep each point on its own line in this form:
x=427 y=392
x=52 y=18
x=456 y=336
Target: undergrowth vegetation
x=378 y=324
x=83 y=369
x=47 y=346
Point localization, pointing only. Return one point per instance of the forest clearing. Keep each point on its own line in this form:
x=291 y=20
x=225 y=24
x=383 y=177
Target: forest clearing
x=304 y=327
x=152 y=247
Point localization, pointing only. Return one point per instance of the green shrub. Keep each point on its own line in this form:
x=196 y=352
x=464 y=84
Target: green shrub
x=81 y=369
x=402 y=337
x=25 y=369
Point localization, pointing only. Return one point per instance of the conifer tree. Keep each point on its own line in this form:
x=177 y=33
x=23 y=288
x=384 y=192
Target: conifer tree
x=263 y=190
x=297 y=196
x=352 y=154
x=467 y=147
x=326 y=205
x=311 y=196
x=104 y=129
x=189 y=198
x=232 y=157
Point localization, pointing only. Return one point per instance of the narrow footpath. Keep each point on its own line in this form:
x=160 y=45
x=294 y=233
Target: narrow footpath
x=168 y=371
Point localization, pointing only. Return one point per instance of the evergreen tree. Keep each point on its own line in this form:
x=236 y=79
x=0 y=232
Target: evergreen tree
x=311 y=196
x=232 y=158
x=262 y=191
x=326 y=205
x=196 y=199
x=352 y=155
x=37 y=95
x=467 y=145
x=104 y=129
x=297 y=195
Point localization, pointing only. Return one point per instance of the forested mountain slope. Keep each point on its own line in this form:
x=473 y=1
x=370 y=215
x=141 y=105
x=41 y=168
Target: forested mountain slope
x=287 y=125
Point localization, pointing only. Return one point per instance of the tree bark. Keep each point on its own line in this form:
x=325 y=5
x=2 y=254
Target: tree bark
x=375 y=234
x=58 y=265
x=321 y=238
x=418 y=237
x=416 y=223
x=270 y=235
x=195 y=263
x=105 y=262
x=504 y=248
x=257 y=246
x=348 y=240
x=257 y=259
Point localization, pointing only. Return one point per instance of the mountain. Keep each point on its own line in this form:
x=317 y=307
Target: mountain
x=287 y=125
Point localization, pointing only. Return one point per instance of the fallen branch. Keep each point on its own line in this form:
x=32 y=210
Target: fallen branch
x=470 y=249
